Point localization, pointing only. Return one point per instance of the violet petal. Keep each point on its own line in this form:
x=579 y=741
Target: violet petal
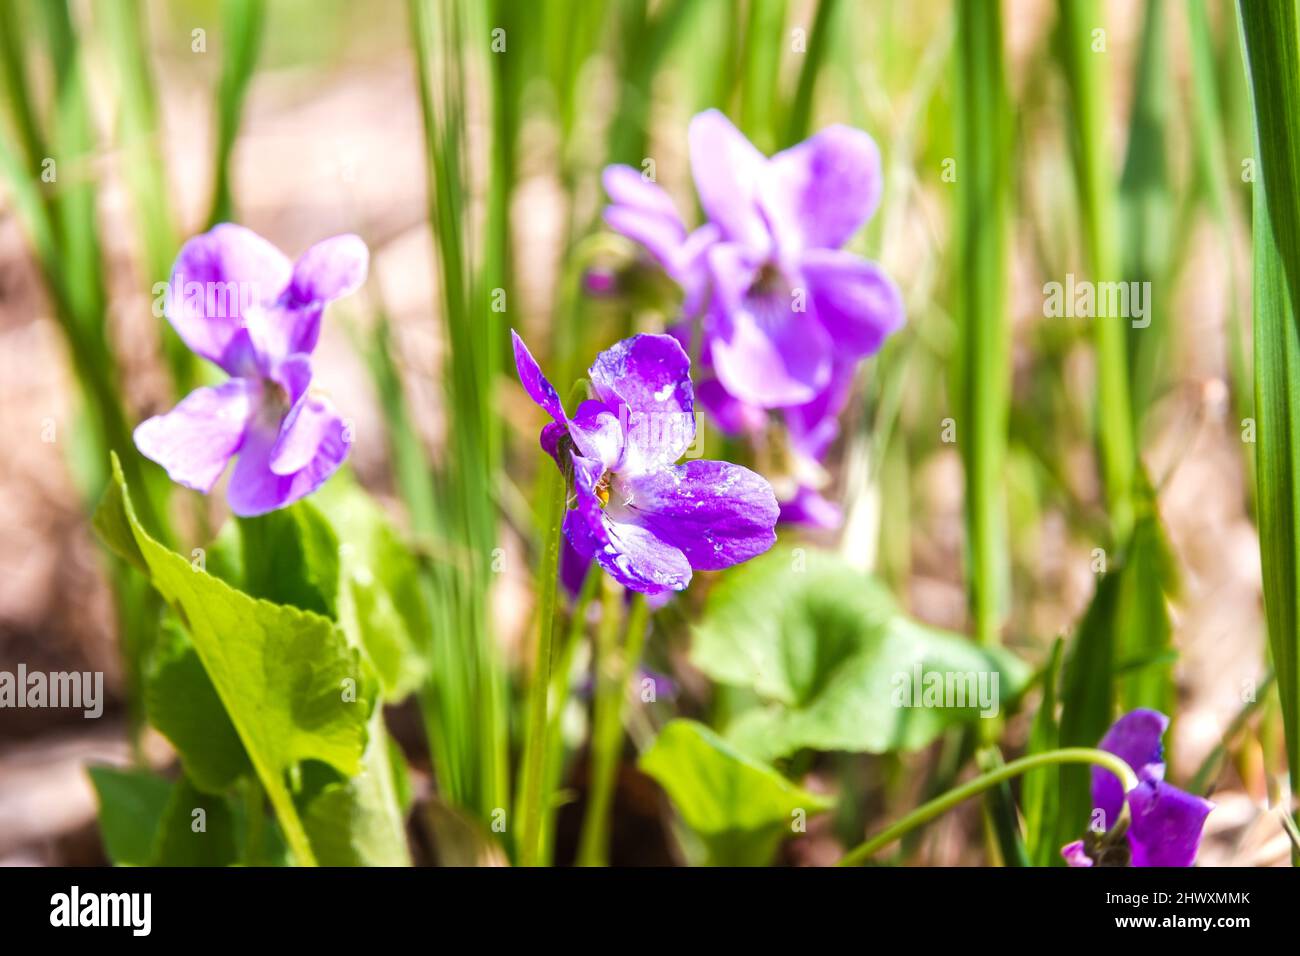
x=645 y=380
x=810 y=509
x=255 y=489
x=728 y=173
x=196 y=439
x=1135 y=739
x=534 y=382
x=821 y=191
x=216 y=275
x=1166 y=825
x=330 y=269
x=626 y=186
x=311 y=422
x=716 y=513
x=598 y=433
x=631 y=555
x=856 y=302
x=1075 y=854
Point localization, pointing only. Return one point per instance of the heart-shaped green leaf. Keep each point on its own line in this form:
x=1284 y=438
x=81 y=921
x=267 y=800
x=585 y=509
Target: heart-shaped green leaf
x=293 y=687
x=836 y=665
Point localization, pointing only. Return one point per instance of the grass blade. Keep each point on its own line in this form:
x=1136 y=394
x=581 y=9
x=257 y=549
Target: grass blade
x=1080 y=30
x=819 y=39
x=1271 y=39
x=242 y=24
x=983 y=182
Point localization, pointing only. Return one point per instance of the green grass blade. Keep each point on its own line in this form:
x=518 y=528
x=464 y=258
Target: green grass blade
x=241 y=36
x=645 y=41
x=469 y=691
x=819 y=40
x=1087 y=707
x=1212 y=167
x=1038 y=796
x=761 y=67
x=141 y=161
x=1145 y=210
x=983 y=184
x=1271 y=39
x=1085 y=71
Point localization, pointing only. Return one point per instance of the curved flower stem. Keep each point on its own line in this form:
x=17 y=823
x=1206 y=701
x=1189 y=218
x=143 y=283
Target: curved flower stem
x=942 y=804
x=533 y=798
x=612 y=671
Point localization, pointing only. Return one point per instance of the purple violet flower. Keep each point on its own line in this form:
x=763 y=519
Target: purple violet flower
x=1166 y=823
x=645 y=519
x=784 y=300
x=239 y=302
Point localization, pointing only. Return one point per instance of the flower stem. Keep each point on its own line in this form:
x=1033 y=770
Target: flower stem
x=560 y=678
x=612 y=672
x=942 y=804
x=534 y=798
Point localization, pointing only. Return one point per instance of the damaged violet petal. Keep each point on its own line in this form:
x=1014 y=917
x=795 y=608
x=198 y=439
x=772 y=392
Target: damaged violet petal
x=237 y=301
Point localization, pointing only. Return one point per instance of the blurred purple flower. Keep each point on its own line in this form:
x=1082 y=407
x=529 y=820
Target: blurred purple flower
x=1166 y=823
x=798 y=437
x=643 y=212
x=644 y=519
x=784 y=300
x=664 y=687
x=239 y=302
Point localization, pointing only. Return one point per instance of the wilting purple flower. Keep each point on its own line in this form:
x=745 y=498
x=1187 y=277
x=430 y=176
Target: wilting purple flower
x=1165 y=825
x=644 y=519
x=239 y=302
x=784 y=299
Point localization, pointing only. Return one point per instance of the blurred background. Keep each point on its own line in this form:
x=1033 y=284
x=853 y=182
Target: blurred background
x=305 y=118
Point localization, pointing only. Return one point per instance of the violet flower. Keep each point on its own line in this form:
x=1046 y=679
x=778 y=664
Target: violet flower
x=239 y=302
x=784 y=299
x=645 y=519
x=1165 y=822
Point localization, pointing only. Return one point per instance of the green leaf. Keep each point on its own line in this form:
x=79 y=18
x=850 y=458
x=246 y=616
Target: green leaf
x=1271 y=36
x=1086 y=74
x=833 y=660
x=131 y=807
x=381 y=598
x=1143 y=629
x=1038 y=796
x=293 y=687
x=739 y=807
x=291 y=556
x=1087 y=702
x=361 y=821
x=183 y=705
x=197 y=829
